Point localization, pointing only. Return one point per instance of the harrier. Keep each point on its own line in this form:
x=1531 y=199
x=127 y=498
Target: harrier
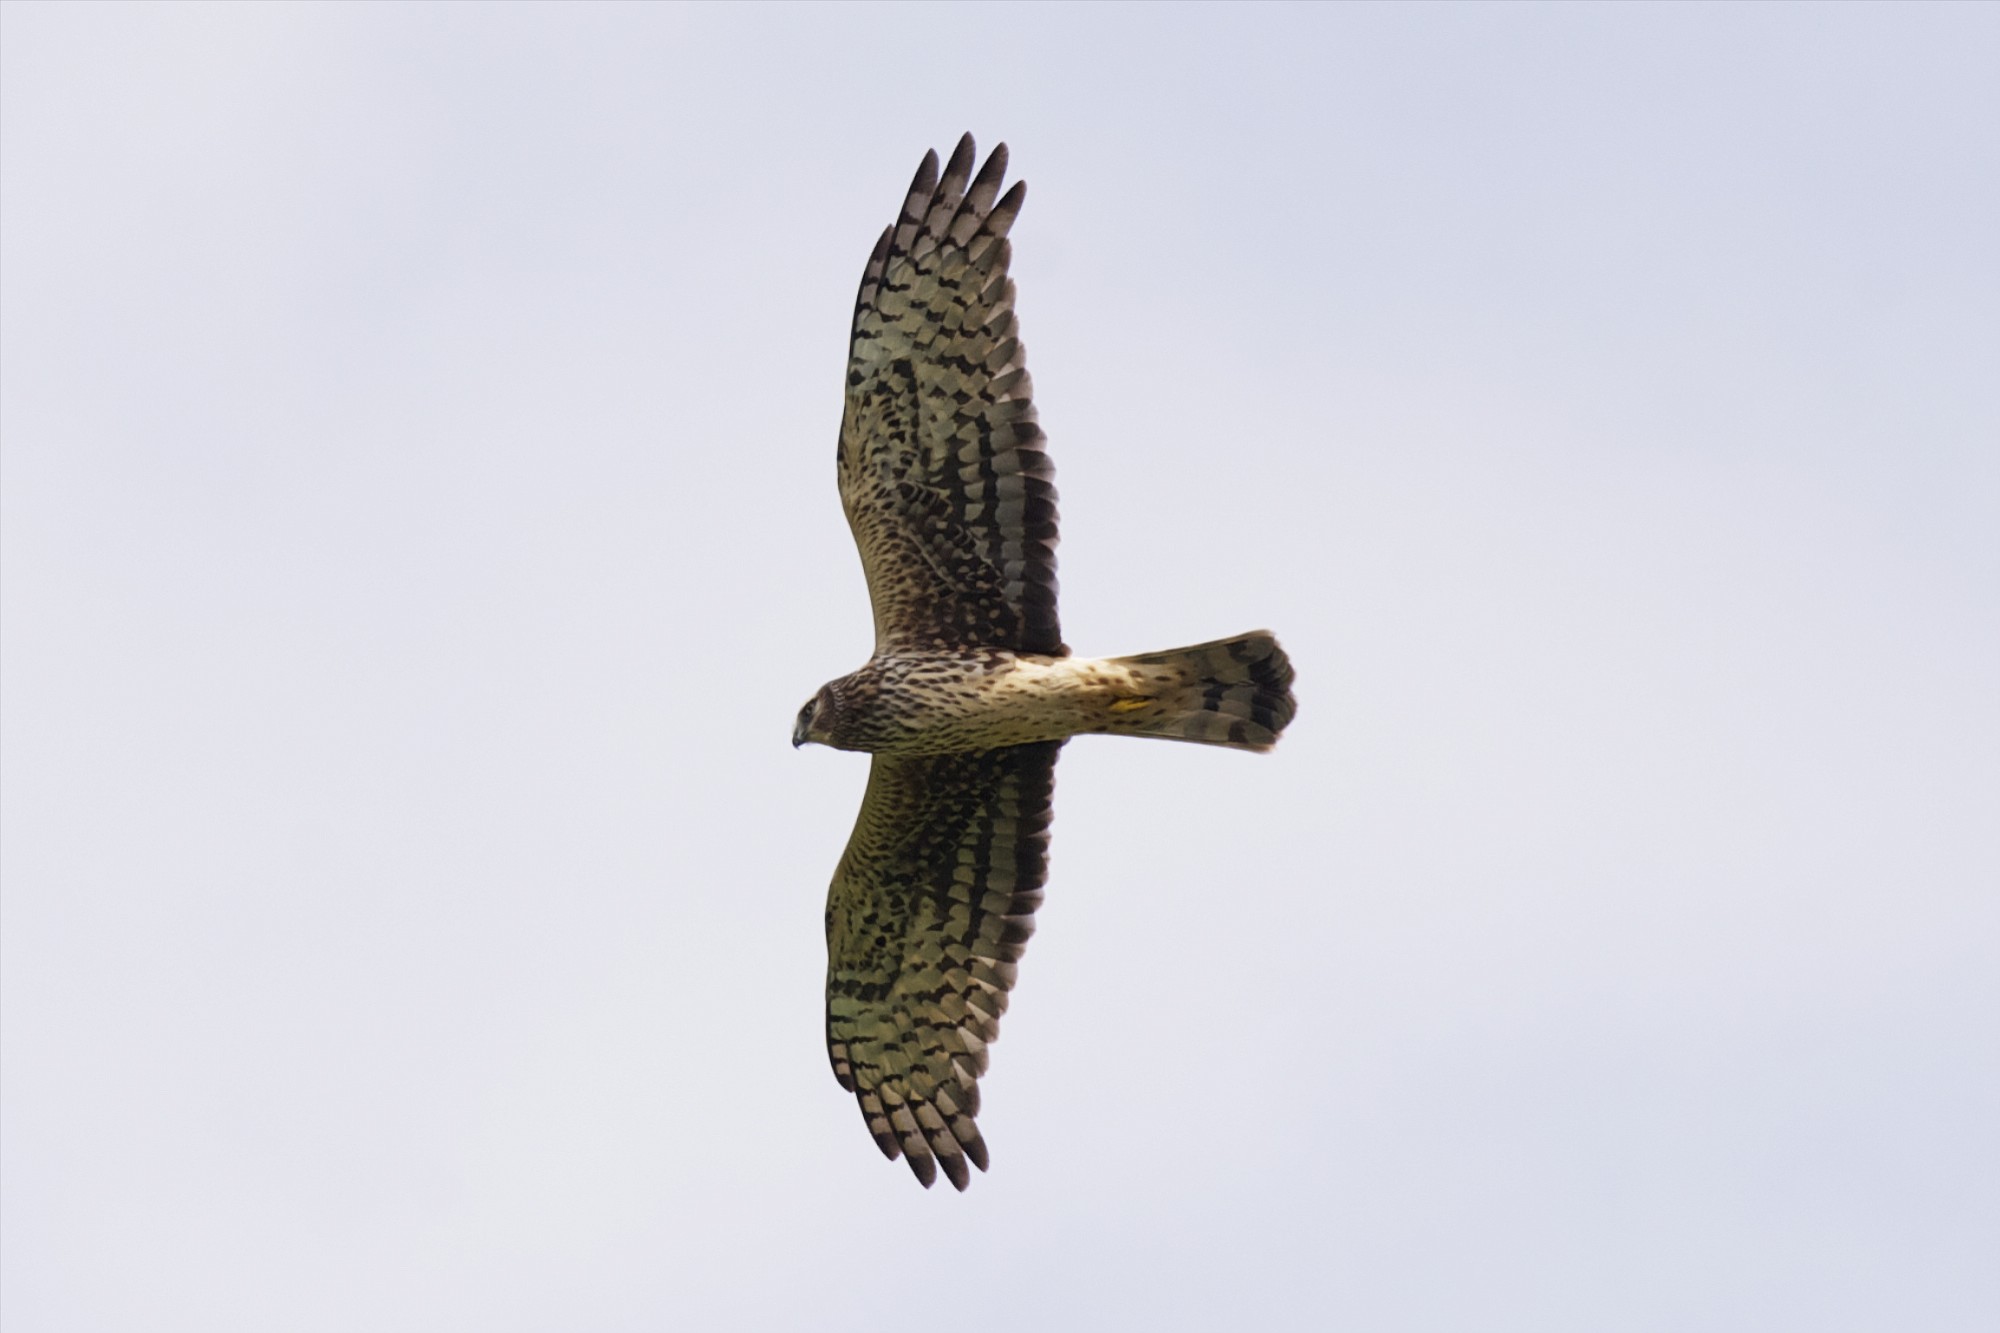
x=971 y=691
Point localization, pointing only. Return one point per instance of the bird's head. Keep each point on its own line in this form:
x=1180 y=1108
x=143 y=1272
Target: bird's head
x=816 y=720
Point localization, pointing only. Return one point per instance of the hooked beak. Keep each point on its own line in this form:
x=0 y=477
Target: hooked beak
x=798 y=733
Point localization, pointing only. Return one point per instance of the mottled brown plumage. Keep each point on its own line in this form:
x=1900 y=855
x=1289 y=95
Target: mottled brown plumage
x=970 y=692
x=942 y=472
x=932 y=903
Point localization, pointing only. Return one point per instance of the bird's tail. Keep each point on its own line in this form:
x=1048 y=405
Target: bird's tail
x=1235 y=692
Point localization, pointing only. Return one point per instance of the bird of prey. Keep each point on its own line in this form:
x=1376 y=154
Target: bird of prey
x=970 y=692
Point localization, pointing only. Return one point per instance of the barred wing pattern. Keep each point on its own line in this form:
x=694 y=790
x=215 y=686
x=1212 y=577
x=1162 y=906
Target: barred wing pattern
x=942 y=472
x=930 y=910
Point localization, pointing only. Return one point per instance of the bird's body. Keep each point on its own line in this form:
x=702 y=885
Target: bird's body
x=970 y=692
x=950 y=703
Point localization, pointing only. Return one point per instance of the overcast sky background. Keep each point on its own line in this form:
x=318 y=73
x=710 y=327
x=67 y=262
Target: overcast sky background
x=419 y=530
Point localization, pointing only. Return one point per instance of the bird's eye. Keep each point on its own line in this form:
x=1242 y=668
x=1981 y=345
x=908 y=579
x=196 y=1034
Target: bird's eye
x=807 y=711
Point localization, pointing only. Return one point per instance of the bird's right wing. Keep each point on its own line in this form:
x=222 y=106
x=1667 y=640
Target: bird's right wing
x=929 y=912
x=942 y=471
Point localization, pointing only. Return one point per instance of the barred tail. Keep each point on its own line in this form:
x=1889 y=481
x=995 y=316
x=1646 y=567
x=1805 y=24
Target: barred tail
x=1235 y=692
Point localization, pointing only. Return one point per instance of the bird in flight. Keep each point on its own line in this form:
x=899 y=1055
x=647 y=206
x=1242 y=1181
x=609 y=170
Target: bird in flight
x=971 y=691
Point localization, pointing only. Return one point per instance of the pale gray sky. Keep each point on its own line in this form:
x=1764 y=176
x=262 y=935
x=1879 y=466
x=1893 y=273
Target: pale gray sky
x=419 y=530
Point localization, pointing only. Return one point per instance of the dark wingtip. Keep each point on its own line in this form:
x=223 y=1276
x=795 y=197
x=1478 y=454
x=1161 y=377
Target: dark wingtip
x=959 y=168
x=925 y=180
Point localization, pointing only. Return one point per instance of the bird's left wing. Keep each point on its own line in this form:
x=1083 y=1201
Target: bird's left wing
x=943 y=474
x=929 y=912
